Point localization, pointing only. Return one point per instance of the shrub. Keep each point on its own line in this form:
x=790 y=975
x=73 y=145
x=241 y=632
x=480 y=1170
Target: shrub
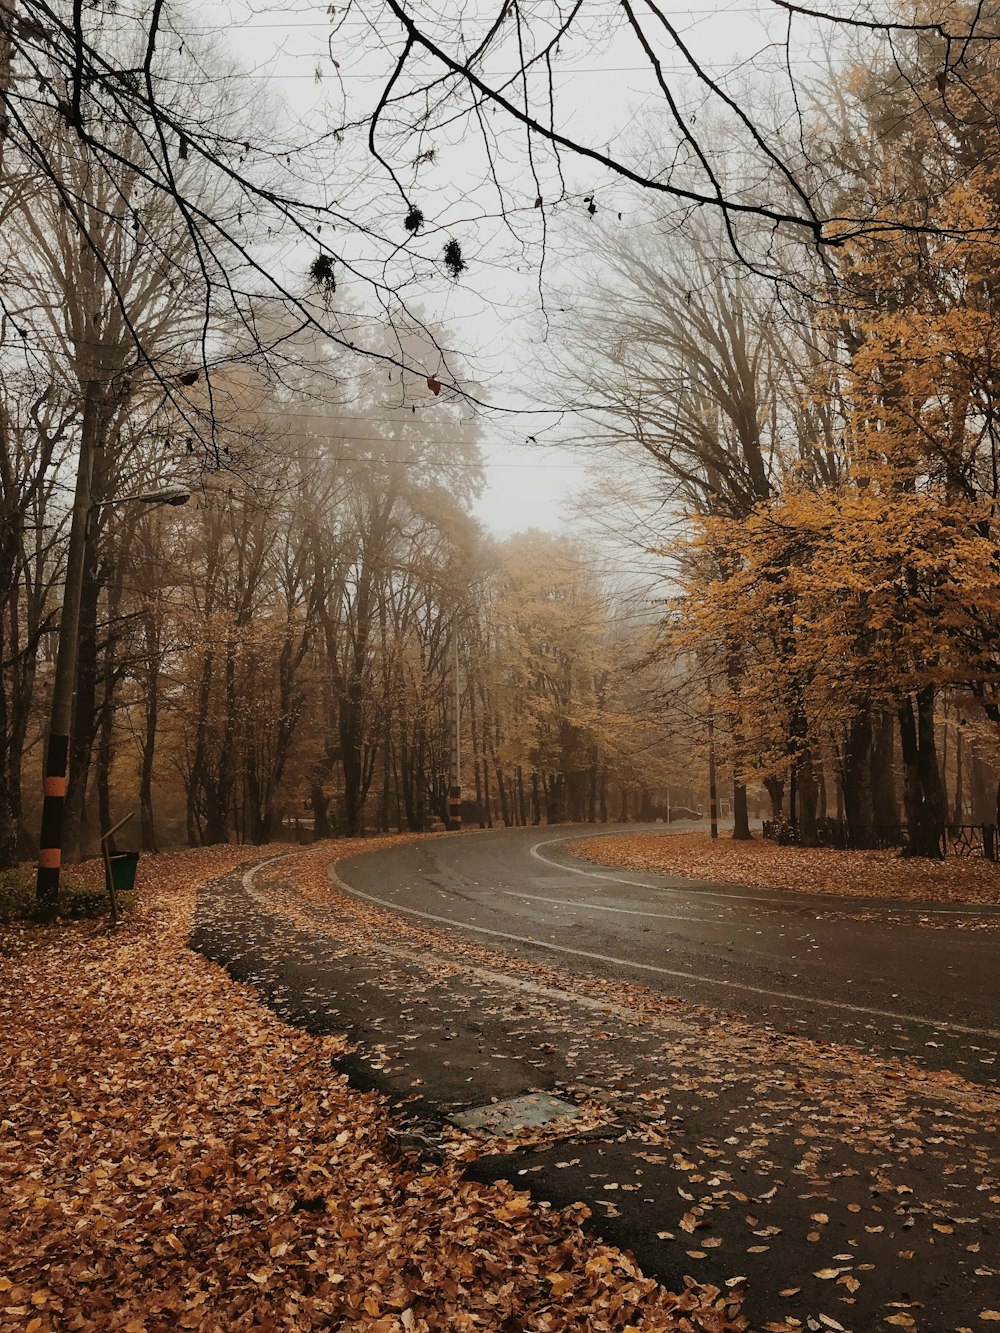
x=17 y=897
x=76 y=904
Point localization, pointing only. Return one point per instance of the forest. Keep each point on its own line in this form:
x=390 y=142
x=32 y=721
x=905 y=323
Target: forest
x=324 y=639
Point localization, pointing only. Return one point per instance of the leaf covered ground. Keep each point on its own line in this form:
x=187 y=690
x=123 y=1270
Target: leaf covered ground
x=172 y=1155
x=767 y=865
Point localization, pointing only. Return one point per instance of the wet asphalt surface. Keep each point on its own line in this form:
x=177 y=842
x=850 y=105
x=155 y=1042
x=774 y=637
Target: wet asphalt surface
x=847 y=1185
x=796 y=960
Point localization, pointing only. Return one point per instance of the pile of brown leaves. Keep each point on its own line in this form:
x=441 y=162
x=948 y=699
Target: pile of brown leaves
x=173 y=1156
x=767 y=865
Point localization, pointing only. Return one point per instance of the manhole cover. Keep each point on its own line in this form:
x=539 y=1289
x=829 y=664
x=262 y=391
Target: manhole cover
x=514 y=1113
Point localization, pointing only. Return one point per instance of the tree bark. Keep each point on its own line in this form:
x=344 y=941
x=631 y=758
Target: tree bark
x=856 y=778
x=320 y=802
x=775 y=788
x=923 y=797
x=84 y=727
x=741 y=814
x=958 y=811
x=808 y=795
x=885 y=805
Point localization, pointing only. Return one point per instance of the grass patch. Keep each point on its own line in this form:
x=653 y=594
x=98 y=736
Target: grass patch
x=77 y=902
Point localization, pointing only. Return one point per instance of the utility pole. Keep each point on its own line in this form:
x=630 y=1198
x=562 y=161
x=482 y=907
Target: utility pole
x=455 y=791
x=64 y=685
x=713 y=795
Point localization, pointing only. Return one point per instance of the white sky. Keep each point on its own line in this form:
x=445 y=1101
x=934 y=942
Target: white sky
x=491 y=312
x=528 y=487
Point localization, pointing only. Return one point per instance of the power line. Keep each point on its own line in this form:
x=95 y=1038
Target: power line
x=437 y=464
x=317 y=24
x=734 y=66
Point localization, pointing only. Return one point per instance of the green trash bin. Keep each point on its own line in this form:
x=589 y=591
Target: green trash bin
x=123 y=866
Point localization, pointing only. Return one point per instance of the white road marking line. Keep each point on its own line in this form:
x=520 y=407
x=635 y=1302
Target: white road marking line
x=618 y=911
x=672 y=972
x=248 y=876
x=577 y=870
x=803 y=900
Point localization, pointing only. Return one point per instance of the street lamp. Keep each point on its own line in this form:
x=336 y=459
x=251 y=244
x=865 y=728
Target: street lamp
x=57 y=749
x=169 y=495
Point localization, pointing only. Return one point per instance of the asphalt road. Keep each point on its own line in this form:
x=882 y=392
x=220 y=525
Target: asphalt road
x=799 y=962
x=841 y=1190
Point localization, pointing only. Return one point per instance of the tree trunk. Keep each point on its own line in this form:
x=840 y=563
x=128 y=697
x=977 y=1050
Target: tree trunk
x=808 y=794
x=84 y=727
x=487 y=799
x=9 y=820
x=958 y=811
x=555 y=792
x=383 y=820
x=476 y=774
x=502 y=794
x=856 y=778
x=105 y=754
x=592 y=787
x=320 y=802
x=741 y=815
x=922 y=794
x=350 y=747
x=930 y=773
x=147 y=821
x=885 y=806
x=775 y=788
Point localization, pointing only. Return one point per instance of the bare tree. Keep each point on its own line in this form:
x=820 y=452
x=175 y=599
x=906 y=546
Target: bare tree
x=494 y=73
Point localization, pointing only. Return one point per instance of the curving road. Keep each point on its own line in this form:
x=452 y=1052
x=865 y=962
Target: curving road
x=716 y=1152
x=799 y=962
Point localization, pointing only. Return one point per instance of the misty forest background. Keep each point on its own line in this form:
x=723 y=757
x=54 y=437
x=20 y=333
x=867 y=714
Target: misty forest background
x=789 y=542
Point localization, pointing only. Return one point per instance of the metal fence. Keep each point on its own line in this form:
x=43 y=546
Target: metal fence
x=978 y=840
